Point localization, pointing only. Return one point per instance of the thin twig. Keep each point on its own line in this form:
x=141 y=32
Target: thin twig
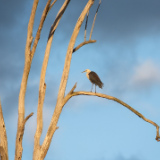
x=94 y=20
x=72 y=90
x=25 y=120
x=82 y=44
x=43 y=17
x=85 y=32
x=68 y=96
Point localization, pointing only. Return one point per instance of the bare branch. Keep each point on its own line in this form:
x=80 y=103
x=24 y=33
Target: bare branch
x=40 y=152
x=94 y=20
x=21 y=105
x=85 y=32
x=43 y=17
x=38 y=133
x=82 y=44
x=3 y=137
x=30 y=115
x=68 y=96
x=30 y=27
x=58 y=108
x=70 y=50
x=72 y=90
x=56 y=22
x=52 y=5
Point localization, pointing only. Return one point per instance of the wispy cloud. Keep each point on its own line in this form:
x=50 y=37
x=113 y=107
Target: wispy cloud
x=145 y=75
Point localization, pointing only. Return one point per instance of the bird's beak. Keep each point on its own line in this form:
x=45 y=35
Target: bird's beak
x=83 y=71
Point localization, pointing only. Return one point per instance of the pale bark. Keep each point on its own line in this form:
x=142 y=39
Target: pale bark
x=82 y=44
x=44 y=15
x=28 y=60
x=53 y=125
x=42 y=86
x=40 y=151
x=70 y=50
x=72 y=93
x=3 y=138
x=21 y=107
x=52 y=5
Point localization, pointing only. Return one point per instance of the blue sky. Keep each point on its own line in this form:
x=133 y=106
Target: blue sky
x=126 y=58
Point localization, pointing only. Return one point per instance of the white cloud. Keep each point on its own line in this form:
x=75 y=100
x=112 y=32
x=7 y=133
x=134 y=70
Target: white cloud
x=145 y=75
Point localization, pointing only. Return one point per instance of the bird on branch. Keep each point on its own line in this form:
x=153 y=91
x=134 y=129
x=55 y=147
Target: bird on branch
x=94 y=78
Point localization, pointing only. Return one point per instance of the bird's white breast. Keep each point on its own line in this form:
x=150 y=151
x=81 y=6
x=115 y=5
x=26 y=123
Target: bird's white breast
x=87 y=74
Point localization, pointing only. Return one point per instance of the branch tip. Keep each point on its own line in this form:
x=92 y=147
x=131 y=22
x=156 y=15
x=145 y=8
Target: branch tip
x=72 y=90
x=25 y=120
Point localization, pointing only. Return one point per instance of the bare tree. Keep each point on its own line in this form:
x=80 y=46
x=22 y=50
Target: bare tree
x=40 y=151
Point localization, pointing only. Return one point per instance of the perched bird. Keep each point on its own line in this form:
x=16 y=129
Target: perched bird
x=93 y=77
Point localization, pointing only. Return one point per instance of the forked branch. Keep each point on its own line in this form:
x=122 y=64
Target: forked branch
x=71 y=94
x=85 y=32
x=21 y=104
x=30 y=28
x=38 y=151
x=43 y=17
x=28 y=60
x=53 y=124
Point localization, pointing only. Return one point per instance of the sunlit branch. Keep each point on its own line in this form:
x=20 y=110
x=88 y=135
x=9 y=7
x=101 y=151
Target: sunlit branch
x=82 y=44
x=71 y=94
x=43 y=17
x=94 y=20
x=52 y=5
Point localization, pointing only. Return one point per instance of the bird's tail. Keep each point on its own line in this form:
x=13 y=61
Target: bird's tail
x=101 y=85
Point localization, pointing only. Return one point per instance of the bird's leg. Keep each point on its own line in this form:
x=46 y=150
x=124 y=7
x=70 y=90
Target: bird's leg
x=95 y=88
x=92 y=87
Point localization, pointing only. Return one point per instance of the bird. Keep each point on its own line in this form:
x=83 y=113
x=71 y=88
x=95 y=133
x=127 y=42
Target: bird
x=94 y=78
